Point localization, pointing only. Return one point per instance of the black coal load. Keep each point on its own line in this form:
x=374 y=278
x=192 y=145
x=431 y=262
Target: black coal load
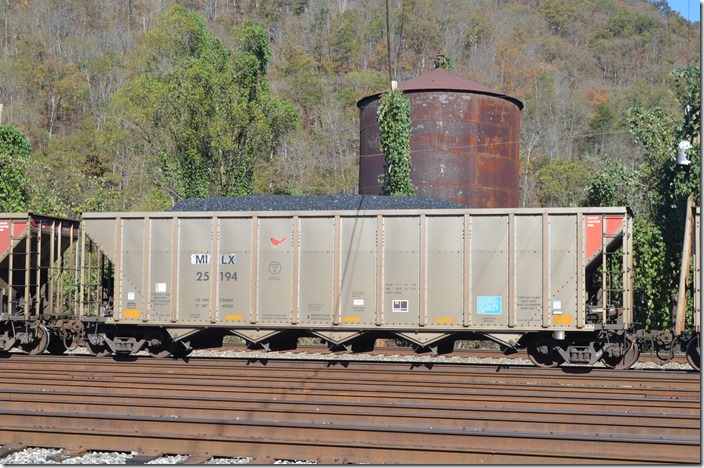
x=339 y=202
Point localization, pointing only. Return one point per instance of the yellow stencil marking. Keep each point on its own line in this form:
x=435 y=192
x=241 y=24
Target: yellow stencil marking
x=350 y=319
x=444 y=320
x=565 y=319
x=233 y=317
x=130 y=313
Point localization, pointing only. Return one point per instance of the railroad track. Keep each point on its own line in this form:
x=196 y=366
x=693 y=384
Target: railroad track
x=383 y=350
x=350 y=411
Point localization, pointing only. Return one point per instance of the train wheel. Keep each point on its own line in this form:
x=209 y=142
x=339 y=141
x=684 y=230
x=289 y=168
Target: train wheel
x=160 y=346
x=7 y=342
x=161 y=351
x=98 y=350
x=56 y=344
x=694 y=353
x=541 y=352
x=39 y=342
x=626 y=360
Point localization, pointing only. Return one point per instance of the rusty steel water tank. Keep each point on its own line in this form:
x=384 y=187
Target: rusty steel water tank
x=464 y=141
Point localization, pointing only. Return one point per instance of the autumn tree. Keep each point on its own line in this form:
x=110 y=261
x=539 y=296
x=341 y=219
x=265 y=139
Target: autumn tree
x=63 y=90
x=560 y=15
x=346 y=44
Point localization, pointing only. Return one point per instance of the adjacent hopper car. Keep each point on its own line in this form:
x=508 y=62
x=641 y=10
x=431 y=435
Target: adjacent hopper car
x=556 y=282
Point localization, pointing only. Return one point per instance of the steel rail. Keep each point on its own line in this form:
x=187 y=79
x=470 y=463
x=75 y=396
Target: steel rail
x=551 y=419
x=193 y=434
x=406 y=389
x=417 y=388
x=407 y=416
x=638 y=403
x=441 y=371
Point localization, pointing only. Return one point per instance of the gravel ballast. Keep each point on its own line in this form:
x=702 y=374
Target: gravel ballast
x=47 y=456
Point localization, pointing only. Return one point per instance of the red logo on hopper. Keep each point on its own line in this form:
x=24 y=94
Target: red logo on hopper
x=275 y=242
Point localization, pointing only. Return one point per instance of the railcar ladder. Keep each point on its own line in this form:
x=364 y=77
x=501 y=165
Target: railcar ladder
x=614 y=270
x=97 y=280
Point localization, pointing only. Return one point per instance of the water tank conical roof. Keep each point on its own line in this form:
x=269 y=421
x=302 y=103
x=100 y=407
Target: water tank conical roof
x=464 y=141
x=440 y=79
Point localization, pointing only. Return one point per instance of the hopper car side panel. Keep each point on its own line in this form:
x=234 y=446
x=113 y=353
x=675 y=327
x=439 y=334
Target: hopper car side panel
x=511 y=270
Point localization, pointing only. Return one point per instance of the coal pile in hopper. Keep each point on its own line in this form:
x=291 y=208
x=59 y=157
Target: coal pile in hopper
x=338 y=202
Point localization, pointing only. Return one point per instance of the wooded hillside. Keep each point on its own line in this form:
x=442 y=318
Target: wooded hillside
x=136 y=104
x=72 y=78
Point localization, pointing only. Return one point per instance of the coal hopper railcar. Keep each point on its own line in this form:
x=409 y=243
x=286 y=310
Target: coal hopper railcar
x=557 y=282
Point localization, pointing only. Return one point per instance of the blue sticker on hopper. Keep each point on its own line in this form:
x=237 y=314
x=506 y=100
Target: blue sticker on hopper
x=488 y=305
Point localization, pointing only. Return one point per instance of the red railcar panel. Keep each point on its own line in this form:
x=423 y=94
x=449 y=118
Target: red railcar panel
x=6 y=235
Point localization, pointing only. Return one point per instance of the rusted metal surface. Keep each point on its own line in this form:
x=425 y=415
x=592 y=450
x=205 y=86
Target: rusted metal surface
x=360 y=412
x=464 y=141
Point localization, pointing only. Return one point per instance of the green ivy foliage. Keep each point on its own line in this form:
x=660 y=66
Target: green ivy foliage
x=651 y=288
x=444 y=62
x=15 y=151
x=394 y=115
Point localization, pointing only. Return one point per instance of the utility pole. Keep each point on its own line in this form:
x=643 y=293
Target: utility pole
x=701 y=166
